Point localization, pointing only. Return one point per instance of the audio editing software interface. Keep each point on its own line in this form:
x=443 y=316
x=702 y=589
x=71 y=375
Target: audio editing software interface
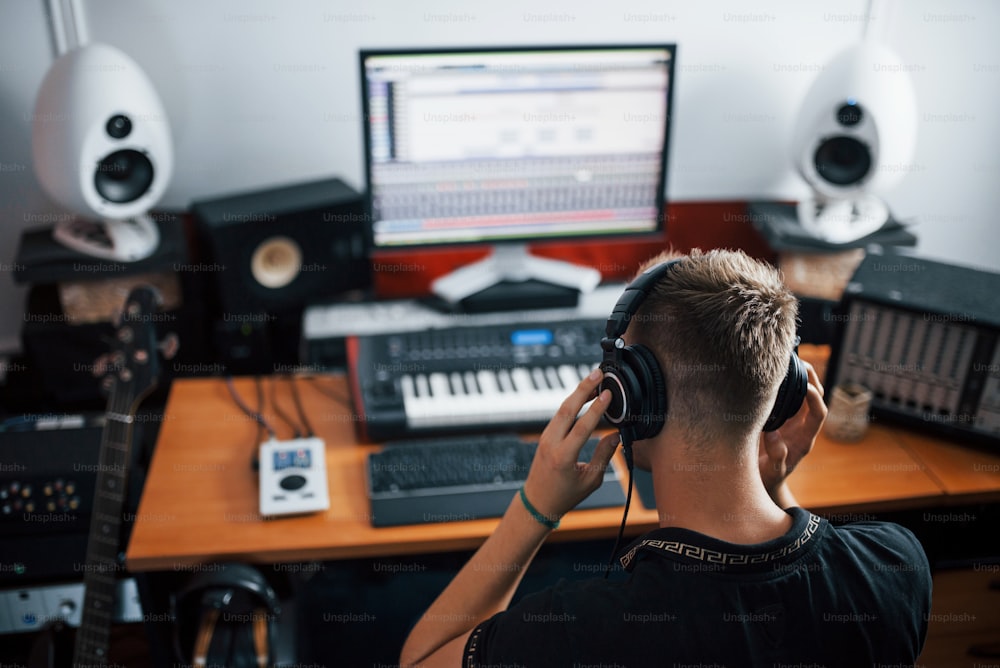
x=499 y=145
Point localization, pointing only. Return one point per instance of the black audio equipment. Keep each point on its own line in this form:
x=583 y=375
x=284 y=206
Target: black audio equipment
x=48 y=468
x=47 y=476
x=276 y=250
x=468 y=378
x=923 y=337
x=47 y=479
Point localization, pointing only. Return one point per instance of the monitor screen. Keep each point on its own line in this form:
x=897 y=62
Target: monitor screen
x=515 y=144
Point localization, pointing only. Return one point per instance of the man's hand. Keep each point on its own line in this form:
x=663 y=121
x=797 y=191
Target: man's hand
x=780 y=451
x=557 y=481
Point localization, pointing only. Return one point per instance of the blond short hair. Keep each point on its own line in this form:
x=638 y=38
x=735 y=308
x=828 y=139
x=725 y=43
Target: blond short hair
x=722 y=326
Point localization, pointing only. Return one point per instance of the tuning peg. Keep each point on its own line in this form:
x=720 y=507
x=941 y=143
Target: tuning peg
x=169 y=345
x=100 y=366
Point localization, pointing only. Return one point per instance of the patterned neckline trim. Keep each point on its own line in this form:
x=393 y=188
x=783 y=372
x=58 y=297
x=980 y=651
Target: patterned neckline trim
x=707 y=555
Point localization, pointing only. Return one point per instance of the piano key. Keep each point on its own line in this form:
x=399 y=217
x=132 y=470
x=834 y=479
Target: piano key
x=406 y=386
x=457 y=386
x=522 y=379
x=423 y=390
x=503 y=377
x=470 y=382
x=487 y=383
x=439 y=385
x=570 y=376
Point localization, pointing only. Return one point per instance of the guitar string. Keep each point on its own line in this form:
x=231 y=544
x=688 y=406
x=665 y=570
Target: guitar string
x=90 y=638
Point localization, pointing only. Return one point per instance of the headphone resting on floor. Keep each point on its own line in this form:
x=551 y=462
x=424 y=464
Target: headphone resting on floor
x=638 y=388
x=226 y=617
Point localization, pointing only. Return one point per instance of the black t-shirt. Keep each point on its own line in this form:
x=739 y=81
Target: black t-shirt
x=855 y=595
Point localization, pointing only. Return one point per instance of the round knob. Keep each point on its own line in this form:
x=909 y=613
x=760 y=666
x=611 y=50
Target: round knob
x=67 y=607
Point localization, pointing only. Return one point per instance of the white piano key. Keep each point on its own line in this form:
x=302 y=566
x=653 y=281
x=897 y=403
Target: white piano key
x=406 y=385
x=487 y=383
x=423 y=389
x=470 y=382
x=457 y=386
x=504 y=380
x=522 y=379
x=439 y=385
x=569 y=376
x=552 y=376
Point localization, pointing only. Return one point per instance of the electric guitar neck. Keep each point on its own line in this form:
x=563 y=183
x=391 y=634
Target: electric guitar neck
x=130 y=374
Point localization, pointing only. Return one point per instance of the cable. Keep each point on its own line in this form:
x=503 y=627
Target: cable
x=298 y=407
x=630 y=465
x=257 y=416
x=296 y=430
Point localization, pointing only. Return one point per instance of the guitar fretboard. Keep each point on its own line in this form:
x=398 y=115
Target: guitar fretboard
x=132 y=376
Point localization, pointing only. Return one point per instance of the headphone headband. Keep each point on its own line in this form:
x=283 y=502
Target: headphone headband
x=633 y=296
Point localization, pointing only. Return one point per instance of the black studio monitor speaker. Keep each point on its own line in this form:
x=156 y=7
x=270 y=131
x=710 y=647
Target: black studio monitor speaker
x=274 y=251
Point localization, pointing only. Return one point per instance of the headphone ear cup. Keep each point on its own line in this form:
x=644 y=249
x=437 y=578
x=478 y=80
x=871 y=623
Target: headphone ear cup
x=791 y=394
x=621 y=381
x=647 y=408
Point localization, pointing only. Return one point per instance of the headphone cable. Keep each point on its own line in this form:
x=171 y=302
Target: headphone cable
x=630 y=465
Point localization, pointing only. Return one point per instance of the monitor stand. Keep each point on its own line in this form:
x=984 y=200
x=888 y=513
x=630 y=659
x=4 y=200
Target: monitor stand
x=511 y=278
x=841 y=221
x=127 y=240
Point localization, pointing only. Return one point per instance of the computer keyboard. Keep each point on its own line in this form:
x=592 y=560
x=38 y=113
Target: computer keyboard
x=455 y=478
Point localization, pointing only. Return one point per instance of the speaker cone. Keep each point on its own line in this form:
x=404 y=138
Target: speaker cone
x=123 y=176
x=843 y=160
x=276 y=262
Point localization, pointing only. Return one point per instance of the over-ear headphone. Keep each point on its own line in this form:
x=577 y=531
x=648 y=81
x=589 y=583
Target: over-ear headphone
x=638 y=388
x=226 y=617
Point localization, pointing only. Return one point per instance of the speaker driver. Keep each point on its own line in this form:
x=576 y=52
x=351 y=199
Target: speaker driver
x=843 y=160
x=124 y=176
x=276 y=262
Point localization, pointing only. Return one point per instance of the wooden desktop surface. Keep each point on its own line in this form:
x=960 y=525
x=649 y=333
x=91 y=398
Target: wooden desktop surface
x=200 y=499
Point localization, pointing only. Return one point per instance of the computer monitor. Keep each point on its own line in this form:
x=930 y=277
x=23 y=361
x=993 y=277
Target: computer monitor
x=508 y=146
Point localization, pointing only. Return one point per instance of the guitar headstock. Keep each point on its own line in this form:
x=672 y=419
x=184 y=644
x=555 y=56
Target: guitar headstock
x=131 y=368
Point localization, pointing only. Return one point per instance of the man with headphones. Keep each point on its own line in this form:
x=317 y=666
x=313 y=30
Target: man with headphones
x=702 y=381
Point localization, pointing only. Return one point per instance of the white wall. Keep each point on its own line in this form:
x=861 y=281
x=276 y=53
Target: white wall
x=261 y=92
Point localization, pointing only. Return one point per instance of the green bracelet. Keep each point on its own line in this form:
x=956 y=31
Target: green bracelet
x=542 y=519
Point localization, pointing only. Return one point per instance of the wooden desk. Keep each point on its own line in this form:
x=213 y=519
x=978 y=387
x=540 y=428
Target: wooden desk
x=200 y=500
